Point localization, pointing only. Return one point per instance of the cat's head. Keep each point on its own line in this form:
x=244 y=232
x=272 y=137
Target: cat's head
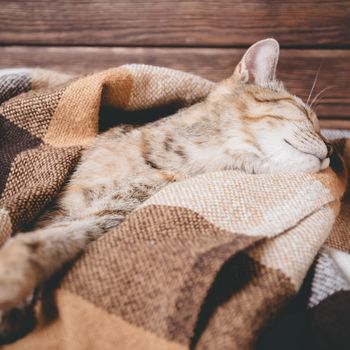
x=270 y=129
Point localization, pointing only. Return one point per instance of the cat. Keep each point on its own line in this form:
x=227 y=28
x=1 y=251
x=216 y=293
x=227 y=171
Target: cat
x=248 y=122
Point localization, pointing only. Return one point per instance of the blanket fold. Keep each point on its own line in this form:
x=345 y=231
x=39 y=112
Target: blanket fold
x=207 y=263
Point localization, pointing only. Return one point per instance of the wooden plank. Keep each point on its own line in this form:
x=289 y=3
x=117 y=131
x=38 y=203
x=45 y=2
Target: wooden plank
x=335 y=124
x=297 y=68
x=180 y=23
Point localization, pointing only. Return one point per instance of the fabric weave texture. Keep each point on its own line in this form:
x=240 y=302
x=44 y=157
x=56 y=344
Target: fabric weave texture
x=212 y=262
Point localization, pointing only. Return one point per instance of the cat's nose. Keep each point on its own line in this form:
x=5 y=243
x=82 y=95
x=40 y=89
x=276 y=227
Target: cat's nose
x=329 y=149
x=324 y=163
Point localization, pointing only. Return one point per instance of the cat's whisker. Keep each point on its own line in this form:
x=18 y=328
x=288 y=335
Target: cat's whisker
x=318 y=104
x=319 y=94
x=313 y=85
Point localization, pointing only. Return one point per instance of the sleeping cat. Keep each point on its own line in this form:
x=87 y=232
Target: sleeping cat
x=249 y=122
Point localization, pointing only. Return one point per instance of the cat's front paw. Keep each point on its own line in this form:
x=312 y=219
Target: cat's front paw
x=15 y=323
x=18 y=276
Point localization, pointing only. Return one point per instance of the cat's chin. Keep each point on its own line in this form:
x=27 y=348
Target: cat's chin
x=309 y=164
x=314 y=166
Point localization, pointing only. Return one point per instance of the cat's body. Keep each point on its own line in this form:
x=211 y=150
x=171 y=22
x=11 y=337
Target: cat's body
x=255 y=127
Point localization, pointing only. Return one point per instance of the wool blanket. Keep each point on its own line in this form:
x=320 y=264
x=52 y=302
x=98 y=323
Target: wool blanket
x=224 y=260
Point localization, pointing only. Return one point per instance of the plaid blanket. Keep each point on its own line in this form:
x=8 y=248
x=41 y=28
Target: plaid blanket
x=224 y=260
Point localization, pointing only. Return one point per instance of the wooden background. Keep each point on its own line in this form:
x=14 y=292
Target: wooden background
x=203 y=37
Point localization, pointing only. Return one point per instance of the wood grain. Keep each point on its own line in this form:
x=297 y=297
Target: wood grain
x=311 y=23
x=335 y=124
x=297 y=68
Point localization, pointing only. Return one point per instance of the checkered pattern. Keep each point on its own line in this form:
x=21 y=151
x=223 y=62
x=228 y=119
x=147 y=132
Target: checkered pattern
x=206 y=263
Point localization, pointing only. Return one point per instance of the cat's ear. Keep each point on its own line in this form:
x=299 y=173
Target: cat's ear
x=259 y=63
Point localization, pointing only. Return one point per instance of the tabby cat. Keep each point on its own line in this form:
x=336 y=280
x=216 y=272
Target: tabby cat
x=249 y=122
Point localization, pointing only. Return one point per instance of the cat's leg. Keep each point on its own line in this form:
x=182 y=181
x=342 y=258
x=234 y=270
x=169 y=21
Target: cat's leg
x=30 y=258
x=16 y=322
